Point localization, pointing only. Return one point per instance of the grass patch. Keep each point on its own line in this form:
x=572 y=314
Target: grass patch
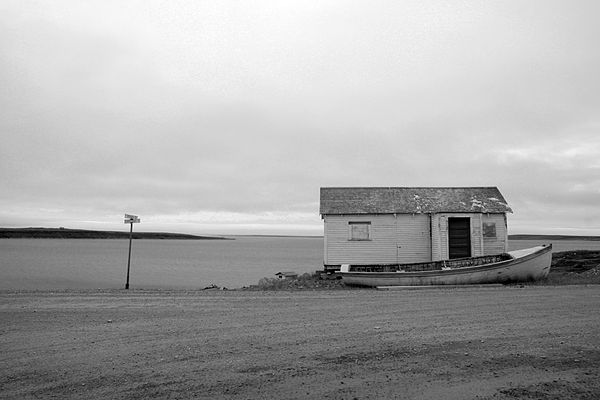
x=575 y=267
x=568 y=279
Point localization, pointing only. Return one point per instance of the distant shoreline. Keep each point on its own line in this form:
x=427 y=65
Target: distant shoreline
x=65 y=233
x=551 y=237
x=280 y=236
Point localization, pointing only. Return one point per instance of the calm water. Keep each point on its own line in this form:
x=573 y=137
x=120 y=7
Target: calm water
x=90 y=263
x=84 y=263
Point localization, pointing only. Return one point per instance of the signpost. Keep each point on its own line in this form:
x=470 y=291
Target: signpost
x=130 y=219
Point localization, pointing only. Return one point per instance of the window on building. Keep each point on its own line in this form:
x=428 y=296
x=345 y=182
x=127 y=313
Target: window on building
x=360 y=230
x=489 y=229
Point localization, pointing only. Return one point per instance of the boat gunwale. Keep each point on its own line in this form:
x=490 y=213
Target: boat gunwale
x=458 y=271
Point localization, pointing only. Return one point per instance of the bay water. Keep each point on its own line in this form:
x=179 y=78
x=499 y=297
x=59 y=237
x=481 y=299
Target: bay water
x=53 y=264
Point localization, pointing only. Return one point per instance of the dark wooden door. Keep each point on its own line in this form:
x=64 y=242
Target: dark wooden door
x=459 y=237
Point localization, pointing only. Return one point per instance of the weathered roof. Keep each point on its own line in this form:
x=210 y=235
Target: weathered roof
x=411 y=200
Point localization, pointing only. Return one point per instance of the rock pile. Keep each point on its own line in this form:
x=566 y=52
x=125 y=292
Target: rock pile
x=315 y=281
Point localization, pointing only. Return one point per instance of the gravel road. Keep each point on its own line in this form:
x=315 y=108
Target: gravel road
x=459 y=343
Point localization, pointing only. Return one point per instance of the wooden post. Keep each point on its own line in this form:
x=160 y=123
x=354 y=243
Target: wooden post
x=129 y=257
x=130 y=219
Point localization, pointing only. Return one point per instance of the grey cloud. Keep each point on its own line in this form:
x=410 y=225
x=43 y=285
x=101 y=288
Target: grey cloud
x=224 y=114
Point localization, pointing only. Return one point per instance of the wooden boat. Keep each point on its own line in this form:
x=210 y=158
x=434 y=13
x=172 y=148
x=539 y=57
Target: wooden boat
x=514 y=266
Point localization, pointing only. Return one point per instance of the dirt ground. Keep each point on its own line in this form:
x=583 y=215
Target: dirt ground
x=455 y=343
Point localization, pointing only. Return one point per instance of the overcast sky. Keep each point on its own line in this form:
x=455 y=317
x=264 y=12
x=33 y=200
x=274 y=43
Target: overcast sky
x=228 y=116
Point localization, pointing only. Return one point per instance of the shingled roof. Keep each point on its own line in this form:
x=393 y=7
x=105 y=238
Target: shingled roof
x=411 y=200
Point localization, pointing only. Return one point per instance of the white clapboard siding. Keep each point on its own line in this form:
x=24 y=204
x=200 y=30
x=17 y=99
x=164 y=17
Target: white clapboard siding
x=402 y=238
x=439 y=238
x=381 y=249
x=413 y=238
x=498 y=244
x=476 y=236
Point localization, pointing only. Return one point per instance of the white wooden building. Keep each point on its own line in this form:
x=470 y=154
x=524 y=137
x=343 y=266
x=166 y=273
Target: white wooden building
x=396 y=225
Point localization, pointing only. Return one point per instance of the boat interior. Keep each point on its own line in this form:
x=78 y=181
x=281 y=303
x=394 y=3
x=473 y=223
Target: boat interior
x=432 y=265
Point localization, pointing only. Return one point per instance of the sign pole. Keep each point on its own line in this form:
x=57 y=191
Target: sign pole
x=130 y=219
x=129 y=257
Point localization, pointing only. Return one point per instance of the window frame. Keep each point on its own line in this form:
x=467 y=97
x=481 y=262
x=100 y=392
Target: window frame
x=352 y=234
x=486 y=228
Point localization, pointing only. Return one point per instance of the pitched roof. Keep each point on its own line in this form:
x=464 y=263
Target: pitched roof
x=411 y=200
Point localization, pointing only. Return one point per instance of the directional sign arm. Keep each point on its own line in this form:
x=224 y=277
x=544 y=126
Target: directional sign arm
x=131 y=219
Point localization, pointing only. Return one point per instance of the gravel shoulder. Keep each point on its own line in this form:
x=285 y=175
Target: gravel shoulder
x=460 y=343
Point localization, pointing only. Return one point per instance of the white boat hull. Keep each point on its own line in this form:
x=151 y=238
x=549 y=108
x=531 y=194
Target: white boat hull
x=525 y=265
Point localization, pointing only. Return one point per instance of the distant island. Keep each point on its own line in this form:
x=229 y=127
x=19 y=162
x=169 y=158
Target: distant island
x=65 y=233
